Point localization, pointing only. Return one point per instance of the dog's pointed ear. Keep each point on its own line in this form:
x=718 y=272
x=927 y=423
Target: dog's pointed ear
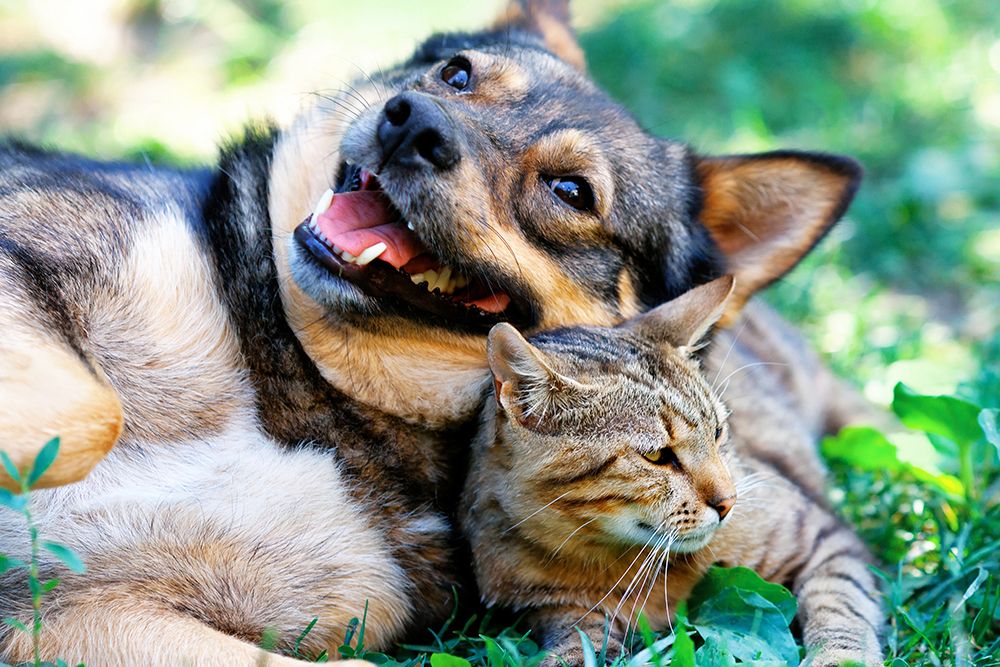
x=549 y=19
x=526 y=386
x=767 y=211
x=683 y=322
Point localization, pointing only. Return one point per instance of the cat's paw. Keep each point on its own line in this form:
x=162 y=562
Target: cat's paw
x=572 y=654
x=844 y=658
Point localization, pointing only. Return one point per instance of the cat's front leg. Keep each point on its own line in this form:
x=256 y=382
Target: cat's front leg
x=556 y=628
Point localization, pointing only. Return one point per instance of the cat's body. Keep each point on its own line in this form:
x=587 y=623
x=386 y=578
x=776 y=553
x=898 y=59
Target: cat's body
x=588 y=555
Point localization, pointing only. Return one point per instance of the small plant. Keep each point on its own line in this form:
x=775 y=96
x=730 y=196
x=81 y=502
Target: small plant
x=20 y=503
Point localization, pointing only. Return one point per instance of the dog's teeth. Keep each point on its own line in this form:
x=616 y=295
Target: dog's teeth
x=417 y=278
x=368 y=254
x=409 y=225
x=347 y=257
x=337 y=249
x=443 y=279
x=461 y=281
x=323 y=204
x=431 y=277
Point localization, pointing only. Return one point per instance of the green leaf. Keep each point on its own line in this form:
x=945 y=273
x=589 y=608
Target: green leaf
x=750 y=616
x=10 y=467
x=714 y=654
x=862 y=447
x=946 y=416
x=49 y=585
x=494 y=653
x=43 y=460
x=989 y=421
x=448 y=660
x=17 y=625
x=721 y=579
x=683 y=655
x=589 y=654
x=14 y=501
x=7 y=563
x=68 y=558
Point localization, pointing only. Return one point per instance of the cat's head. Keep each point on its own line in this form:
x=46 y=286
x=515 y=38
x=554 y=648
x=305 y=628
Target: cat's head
x=613 y=431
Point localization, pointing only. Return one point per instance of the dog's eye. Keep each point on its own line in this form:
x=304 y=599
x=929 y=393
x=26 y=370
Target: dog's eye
x=572 y=190
x=718 y=432
x=457 y=73
x=663 y=456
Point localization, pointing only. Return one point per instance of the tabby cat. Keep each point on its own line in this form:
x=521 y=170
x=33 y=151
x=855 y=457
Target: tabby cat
x=605 y=481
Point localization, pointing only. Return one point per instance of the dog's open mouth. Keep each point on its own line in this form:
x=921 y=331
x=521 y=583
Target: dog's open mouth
x=360 y=236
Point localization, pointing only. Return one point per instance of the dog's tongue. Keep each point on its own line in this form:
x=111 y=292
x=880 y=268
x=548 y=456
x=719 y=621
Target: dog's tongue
x=358 y=220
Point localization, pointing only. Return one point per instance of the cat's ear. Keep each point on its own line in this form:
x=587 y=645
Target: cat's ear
x=684 y=321
x=767 y=211
x=526 y=386
x=549 y=19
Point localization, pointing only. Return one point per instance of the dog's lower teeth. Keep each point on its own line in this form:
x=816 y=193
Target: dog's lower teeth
x=369 y=254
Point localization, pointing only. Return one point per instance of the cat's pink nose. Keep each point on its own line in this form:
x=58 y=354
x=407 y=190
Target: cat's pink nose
x=723 y=506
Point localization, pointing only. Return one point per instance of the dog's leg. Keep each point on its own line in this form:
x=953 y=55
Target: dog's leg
x=123 y=631
x=47 y=389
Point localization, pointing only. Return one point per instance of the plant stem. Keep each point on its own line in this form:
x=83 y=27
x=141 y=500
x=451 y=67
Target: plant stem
x=34 y=584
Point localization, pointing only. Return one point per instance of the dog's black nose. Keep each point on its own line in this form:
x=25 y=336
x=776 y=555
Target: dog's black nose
x=415 y=130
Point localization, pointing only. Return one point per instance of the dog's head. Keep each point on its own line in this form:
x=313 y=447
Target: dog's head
x=489 y=179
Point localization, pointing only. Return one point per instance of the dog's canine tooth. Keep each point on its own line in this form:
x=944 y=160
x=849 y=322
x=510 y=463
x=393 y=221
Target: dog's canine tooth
x=409 y=225
x=323 y=204
x=431 y=277
x=370 y=253
x=417 y=278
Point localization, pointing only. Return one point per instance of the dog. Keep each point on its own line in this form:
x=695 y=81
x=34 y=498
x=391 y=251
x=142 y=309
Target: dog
x=263 y=401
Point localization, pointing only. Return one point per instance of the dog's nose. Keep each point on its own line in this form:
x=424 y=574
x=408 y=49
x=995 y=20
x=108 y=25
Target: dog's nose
x=415 y=130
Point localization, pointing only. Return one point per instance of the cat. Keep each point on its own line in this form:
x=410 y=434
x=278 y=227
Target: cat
x=604 y=471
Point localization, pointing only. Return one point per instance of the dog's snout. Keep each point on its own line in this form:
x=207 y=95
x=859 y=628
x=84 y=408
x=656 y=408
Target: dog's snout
x=415 y=130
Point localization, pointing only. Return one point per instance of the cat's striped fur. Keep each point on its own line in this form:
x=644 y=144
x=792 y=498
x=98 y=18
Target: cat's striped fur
x=570 y=519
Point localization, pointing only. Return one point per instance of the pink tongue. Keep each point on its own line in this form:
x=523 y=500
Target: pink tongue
x=495 y=303
x=358 y=220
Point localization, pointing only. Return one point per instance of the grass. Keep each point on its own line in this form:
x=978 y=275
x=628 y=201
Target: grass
x=904 y=290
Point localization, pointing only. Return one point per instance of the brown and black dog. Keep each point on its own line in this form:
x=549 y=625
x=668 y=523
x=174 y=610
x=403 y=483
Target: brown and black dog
x=263 y=405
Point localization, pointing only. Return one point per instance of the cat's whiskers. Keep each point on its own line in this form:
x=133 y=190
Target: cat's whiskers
x=649 y=567
x=620 y=579
x=736 y=339
x=661 y=565
x=721 y=392
x=548 y=504
x=577 y=530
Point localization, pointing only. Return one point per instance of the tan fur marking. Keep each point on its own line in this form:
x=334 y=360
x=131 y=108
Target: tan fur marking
x=765 y=214
x=47 y=391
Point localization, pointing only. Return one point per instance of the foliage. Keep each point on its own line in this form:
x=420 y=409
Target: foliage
x=21 y=503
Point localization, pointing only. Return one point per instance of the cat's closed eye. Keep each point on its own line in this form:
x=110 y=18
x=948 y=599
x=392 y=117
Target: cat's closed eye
x=663 y=456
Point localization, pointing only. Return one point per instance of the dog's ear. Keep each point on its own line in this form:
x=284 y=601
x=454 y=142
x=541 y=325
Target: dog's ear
x=549 y=19
x=767 y=211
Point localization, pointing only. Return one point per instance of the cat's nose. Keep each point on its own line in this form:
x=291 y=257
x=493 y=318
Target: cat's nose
x=723 y=505
x=416 y=131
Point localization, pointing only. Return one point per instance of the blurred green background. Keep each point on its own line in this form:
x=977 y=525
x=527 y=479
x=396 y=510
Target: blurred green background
x=906 y=288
